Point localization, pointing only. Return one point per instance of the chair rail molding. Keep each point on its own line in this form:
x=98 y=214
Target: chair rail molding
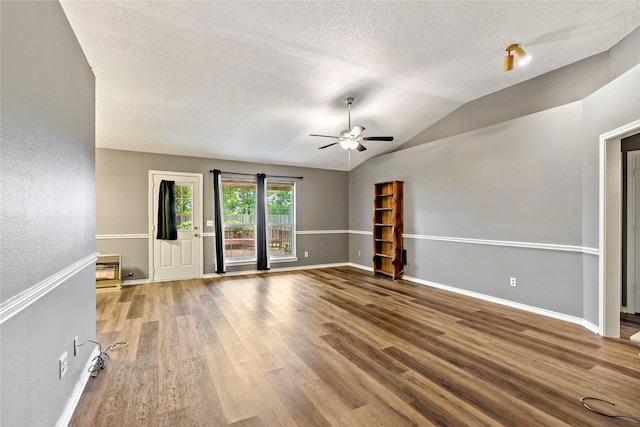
x=24 y=299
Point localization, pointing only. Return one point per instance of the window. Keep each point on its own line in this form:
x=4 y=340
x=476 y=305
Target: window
x=239 y=212
x=184 y=206
x=239 y=202
x=280 y=219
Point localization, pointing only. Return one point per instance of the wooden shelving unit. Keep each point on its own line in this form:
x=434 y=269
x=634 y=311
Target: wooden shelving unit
x=108 y=271
x=387 y=228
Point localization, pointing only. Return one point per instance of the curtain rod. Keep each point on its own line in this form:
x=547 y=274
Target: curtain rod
x=253 y=174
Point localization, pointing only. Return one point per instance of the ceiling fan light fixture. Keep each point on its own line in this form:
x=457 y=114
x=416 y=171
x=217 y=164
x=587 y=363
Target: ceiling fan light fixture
x=520 y=55
x=349 y=144
x=350 y=138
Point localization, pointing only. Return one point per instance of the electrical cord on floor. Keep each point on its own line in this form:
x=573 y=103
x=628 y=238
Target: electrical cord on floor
x=628 y=417
x=100 y=361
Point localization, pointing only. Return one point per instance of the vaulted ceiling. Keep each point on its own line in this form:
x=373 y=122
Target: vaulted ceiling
x=251 y=80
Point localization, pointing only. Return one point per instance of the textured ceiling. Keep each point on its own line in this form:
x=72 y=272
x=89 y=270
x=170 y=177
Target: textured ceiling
x=251 y=80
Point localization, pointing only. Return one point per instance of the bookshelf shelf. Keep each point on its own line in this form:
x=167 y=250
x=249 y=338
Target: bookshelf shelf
x=387 y=228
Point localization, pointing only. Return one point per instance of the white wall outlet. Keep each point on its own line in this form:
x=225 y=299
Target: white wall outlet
x=75 y=346
x=513 y=282
x=209 y=223
x=359 y=253
x=306 y=254
x=62 y=364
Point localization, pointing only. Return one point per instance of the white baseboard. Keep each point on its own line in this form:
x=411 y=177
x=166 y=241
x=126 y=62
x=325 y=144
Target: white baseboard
x=513 y=304
x=73 y=400
x=561 y=316
x=590 y=326
x=135 y=282
x=275 y=270
x=549 y=313
x=361 y=267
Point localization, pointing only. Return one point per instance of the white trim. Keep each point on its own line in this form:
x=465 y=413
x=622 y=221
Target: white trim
x=588 y=325
x=565 y=317
x=367 y=233
x=73 y=400
x=135 y=282
x=275 y=270
x=610 y=233
x=513 y=304
x=121 y=236
x=361 y=267
x=284 y=259
x=513 y=244
x=506 y=243
x=303 y=232
x=233 y=263
x=630 y=234
x=24 y=299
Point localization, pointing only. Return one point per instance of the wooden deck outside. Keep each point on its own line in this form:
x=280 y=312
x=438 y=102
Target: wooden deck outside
x=240 y=243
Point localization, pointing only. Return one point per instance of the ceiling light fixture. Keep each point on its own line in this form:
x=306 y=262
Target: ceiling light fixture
x=349 y=144
x=519 y=53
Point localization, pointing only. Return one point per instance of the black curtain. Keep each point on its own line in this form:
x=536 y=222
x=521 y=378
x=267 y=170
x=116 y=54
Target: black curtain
x=167 y=228
x=262 y=254
x=217 y=209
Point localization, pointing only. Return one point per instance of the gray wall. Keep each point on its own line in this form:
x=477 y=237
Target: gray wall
x=532 y=179
x=47 y=210
x=122 y=206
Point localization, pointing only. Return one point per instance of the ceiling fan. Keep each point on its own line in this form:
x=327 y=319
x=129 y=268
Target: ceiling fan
x=350 y=139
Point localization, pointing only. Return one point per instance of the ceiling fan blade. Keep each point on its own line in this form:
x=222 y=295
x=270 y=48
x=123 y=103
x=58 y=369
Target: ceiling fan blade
x=361 y=147
x=323 y=136
x=328 y=145
x=356 y=131
x=378 y=138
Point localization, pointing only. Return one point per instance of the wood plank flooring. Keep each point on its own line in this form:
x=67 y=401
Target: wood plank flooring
x=341 y=347
x=629 y=325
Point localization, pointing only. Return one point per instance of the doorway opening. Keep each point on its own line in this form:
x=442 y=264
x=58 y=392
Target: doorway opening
x=610 y=228
x=630 y=224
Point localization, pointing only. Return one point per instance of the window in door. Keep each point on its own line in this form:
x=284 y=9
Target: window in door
x=184 y=206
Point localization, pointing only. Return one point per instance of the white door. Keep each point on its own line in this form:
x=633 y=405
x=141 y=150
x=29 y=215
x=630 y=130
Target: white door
x=181 y=258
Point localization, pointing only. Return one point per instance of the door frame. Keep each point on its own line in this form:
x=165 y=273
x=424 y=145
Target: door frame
x=610 y=228
x=631 y=236
x=152 y=216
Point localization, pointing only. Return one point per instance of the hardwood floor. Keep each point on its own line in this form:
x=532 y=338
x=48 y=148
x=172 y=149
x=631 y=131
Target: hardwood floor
x=629 y=325
x=341 y=347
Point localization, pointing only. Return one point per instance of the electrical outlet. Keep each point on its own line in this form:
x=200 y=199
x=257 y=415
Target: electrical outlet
x=75 y=346
x=209 y=223
x=306 y=254
x=62 y=364
x=513 y=282
x=359 y=253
